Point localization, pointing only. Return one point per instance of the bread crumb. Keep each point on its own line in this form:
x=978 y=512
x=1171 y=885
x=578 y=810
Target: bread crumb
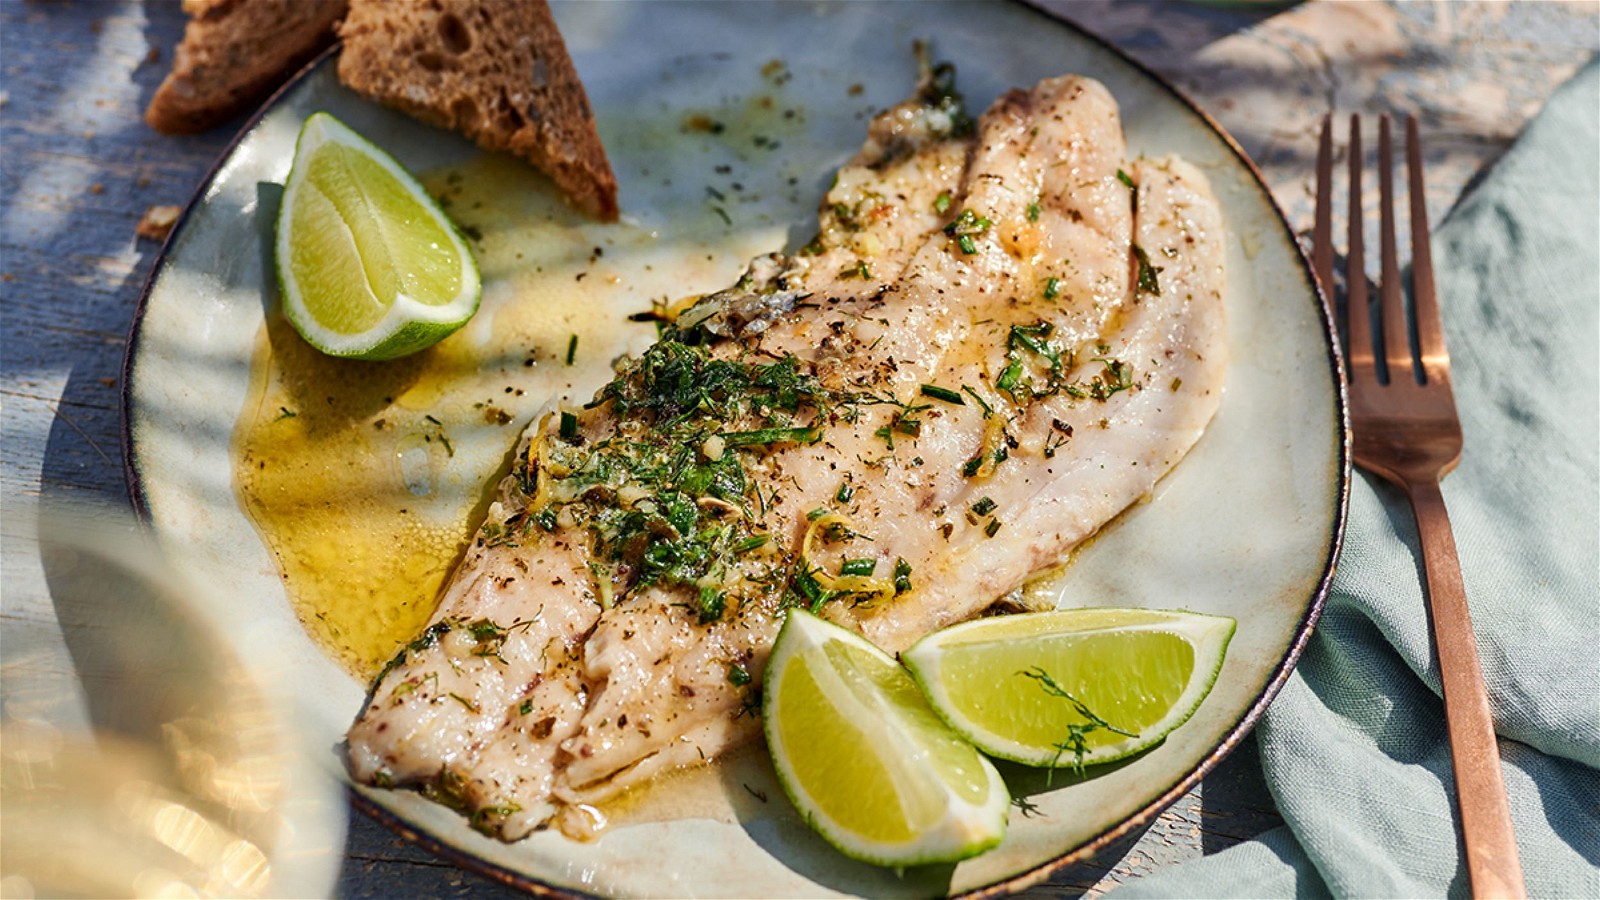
x=157 y=222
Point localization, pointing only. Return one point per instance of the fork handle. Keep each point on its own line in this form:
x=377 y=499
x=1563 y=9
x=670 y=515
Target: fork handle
x=1491 y=849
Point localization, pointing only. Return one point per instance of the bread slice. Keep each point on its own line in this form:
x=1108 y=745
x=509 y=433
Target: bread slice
x=233 y=54
x=496 y=70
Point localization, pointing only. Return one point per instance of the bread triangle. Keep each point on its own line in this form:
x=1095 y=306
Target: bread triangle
x=495 y=70
x=233 y=54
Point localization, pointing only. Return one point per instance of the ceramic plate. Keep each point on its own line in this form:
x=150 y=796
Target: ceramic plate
x=724 y=123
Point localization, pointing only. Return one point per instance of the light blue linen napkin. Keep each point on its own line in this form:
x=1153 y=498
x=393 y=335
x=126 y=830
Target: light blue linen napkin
x=1354 y=749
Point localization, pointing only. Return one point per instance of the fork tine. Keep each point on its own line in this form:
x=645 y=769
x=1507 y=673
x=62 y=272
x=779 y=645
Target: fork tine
x=1358 y=310
x=1322 y=231
x=1396 y=337
x=1424 y=299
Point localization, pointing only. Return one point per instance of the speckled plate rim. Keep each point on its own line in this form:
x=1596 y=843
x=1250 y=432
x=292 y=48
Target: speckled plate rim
x=1021 y=880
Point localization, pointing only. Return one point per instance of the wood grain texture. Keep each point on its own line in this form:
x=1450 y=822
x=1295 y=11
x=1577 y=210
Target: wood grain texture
x=78 y=167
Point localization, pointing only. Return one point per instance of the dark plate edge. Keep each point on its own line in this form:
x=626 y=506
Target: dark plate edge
x=1235 y=736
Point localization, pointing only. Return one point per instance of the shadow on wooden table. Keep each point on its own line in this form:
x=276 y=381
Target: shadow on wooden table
x=80 y=168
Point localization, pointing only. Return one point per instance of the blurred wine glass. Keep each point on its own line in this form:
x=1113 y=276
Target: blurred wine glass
x=192 y=779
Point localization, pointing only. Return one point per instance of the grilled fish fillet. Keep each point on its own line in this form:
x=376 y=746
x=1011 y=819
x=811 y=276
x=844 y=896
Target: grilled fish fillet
x=1004 y=334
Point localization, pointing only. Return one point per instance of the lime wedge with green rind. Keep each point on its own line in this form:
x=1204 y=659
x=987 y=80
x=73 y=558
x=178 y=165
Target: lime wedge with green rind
x=864 y=759
x=999 y=682
x=369 y=266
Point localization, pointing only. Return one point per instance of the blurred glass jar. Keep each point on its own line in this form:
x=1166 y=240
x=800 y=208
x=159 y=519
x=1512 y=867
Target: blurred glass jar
x=192 y=781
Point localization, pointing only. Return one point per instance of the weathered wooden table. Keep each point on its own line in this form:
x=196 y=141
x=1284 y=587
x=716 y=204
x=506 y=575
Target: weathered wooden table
x=80 y=168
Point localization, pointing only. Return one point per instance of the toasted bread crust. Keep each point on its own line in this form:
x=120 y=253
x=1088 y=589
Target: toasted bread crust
x=495 y=70
x=233 y=54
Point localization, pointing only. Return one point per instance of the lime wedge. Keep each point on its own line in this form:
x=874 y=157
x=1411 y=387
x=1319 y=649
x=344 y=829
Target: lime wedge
x=1070 y=687
x=865 y=760
x=369 y=266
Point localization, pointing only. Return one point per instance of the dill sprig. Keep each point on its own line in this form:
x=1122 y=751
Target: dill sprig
x=1149 y=283
x=1076 y=741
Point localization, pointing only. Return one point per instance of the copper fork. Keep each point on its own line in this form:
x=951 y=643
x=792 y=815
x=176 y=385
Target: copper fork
x=1403 y=419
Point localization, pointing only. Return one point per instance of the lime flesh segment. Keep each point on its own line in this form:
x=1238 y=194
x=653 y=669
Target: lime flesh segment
x=997 y=682
x=369 y=266
x=865 y=760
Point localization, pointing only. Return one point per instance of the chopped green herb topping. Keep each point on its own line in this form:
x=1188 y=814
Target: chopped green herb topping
x=1052 y=288
x=753 y=542
x=864 y=566
x=738 y=675
x=902 y=576
x=1076 y=741
x=804 y=585
x=1033 y=211
x=572 y=349
x=1036 y=338
x=711 y=604
x=1127 y=180
x=1035 y=342
x=666 y=497
x=480 y=821
x=945 y=394
x=904 y=421
x=964 y=227
x=764 y=436
x=1114 y=377
x=941 y=203
x=1008 y=376
x=496 y=534
x=984 y=506
x=938 y=90
x=1148 y=283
